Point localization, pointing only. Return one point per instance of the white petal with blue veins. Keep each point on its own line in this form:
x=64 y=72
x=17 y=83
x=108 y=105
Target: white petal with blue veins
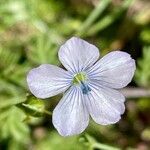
x=114 y=70
x=77 y=55
x=105 y=105
x=48 y=80
x=70 y=116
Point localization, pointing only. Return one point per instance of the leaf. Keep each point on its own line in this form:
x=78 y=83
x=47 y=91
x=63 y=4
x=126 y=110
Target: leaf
x=44 y=51
x=8 y=58
x=54 y=141
x=11 y=126
x=15 y=145
x=17 y=75
x=13 y=12
x=142 y=76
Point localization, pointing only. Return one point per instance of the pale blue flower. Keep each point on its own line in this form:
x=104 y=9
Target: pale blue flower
x=90 y=84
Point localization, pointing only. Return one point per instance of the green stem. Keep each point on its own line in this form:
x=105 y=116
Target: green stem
x=35 y=109
x=103 y=23
x=103 y=147
x=109 y=19
x=48 y=113
x=93 y=16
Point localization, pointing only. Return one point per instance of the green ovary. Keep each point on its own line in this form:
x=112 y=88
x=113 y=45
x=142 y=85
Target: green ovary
x=79 y=77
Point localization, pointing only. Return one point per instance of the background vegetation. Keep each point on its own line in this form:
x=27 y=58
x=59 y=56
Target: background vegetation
x=31 y=32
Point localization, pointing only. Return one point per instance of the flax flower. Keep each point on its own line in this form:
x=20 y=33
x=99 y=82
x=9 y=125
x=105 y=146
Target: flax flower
x=89 y=85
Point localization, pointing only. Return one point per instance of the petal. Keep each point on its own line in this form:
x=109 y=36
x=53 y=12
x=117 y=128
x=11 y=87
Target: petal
x=48 y=80
x=104 y=104
x=77 y=54
x=114 y=70
x=70 y=116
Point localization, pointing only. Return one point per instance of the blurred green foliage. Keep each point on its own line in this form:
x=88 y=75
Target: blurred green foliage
x=143 y=73
x=31 y=32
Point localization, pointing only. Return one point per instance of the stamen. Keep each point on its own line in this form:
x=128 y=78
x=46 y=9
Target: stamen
x=85 y=88
x=81 y=80
x=79 y=77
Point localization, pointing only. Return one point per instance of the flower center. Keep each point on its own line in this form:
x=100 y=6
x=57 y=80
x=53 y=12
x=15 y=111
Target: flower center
x=81 y=79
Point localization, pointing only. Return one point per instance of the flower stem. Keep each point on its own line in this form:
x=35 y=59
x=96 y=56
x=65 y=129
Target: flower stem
x=103 y=147
x=48 y=112
x=93 y=16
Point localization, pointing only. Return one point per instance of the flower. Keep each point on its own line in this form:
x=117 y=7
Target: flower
x=90 y=84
